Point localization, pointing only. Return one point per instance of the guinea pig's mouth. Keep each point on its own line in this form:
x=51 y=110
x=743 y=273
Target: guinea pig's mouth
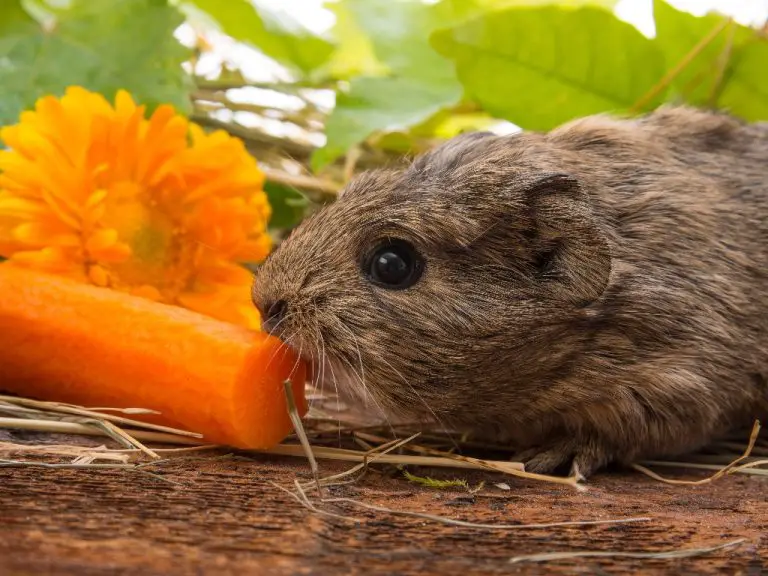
x=335 y=381
x=346 y=387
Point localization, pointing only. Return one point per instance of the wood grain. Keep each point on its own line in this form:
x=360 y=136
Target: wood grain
x=224 y=517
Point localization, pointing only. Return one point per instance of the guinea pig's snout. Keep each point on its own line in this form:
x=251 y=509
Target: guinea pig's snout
x=272 y=313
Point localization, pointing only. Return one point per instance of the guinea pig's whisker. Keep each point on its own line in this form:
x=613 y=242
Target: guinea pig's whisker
x=335 y=379
x=298 y=357
x=359 y=354
x=354 y=373
x=323 y=364
x=369 y=398
x=309 y=358
x=283 y=319
x=361 y=376
x=319 y=365
x=284 y=342
x=357 y=350
x=318 y=370
x=422 y=400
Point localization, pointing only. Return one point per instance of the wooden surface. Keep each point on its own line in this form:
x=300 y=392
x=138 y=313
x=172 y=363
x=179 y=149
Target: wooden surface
x=224 y=517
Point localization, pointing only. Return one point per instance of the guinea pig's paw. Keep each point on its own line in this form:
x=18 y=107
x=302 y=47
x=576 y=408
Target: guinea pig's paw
x=583 y=457
x=546 y=459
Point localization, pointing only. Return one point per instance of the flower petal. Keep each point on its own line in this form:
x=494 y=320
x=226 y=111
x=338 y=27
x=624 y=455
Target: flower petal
x=153 y=206
x=118 y=252
x=41 y=234
x=21 y=208
x=51 y=259
x=101 y=239
x=99 y=276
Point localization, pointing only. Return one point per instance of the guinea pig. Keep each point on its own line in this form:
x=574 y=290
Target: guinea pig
x=595 y=294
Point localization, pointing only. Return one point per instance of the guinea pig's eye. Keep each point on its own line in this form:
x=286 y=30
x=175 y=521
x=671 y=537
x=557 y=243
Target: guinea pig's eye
x=393 y=264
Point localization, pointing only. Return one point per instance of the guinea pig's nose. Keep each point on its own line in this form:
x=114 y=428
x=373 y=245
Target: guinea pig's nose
x=274 y=313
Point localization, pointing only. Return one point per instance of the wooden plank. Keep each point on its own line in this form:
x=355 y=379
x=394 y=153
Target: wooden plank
x=225 y=517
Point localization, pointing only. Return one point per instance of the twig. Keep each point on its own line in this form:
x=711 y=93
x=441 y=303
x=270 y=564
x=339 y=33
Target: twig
x=292 y=148
x=308 y=504
x=669 y=554
x=81 y=429
x=301 y=497
x=369 y=457
x=104 y=425
x=302 y=118
x=298 y=427
x=131 y=440
x=350 y=162
x=289 y=87
x=339 y=454
x=95 y=451
x=24 y=463
x=512 y=468
x=301 y=182
x=344 y=455
x=144 y=411
x=95 y=413
x=463 y=524
x=327 y=453
x=79 y=452
x=670 y=76
x=737 y=446
x=749 y=468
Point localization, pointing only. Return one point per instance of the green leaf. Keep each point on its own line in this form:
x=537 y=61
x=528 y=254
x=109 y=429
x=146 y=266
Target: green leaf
x=745 y=91
x=741 y=86
x=540 y=67
x=102 y=46
x=374 y=104
x=399 y=31
x=354 y=55
x=448 y=123
x=276 y=33
x=420 y=82
x=12 y=17
x=289 y=206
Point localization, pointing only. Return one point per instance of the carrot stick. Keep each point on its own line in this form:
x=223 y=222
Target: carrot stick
x=64 y=341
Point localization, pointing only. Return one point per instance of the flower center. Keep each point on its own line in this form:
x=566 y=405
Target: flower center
x=161 y=256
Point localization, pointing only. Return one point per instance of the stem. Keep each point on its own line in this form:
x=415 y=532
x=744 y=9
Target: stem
x=292 y=148
x=301 y=182
x=290 y=87
x=722 y=65
x=670 y=76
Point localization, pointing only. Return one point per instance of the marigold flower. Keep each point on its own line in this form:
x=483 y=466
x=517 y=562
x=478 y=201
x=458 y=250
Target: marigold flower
x=151 y=206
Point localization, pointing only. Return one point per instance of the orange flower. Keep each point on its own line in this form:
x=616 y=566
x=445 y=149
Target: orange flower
x=154 y=207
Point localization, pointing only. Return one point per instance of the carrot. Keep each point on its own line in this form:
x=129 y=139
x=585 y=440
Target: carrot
x=64 y=341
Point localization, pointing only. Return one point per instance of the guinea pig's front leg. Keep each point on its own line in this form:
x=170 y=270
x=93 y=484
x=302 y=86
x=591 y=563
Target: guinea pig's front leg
x=585 y=457
x=660 y=411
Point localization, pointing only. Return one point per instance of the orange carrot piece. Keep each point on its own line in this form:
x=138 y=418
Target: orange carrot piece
x=64 y=341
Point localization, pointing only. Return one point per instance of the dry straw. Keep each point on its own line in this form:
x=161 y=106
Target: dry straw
x=139 y=441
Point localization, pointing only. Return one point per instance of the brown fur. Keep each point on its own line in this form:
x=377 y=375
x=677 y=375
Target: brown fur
x=595 y=294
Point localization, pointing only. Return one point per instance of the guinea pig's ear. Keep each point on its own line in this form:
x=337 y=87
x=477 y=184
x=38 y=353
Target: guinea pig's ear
x=572 y=255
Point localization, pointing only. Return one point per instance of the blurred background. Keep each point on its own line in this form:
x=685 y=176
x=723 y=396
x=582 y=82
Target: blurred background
x=320 y=90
